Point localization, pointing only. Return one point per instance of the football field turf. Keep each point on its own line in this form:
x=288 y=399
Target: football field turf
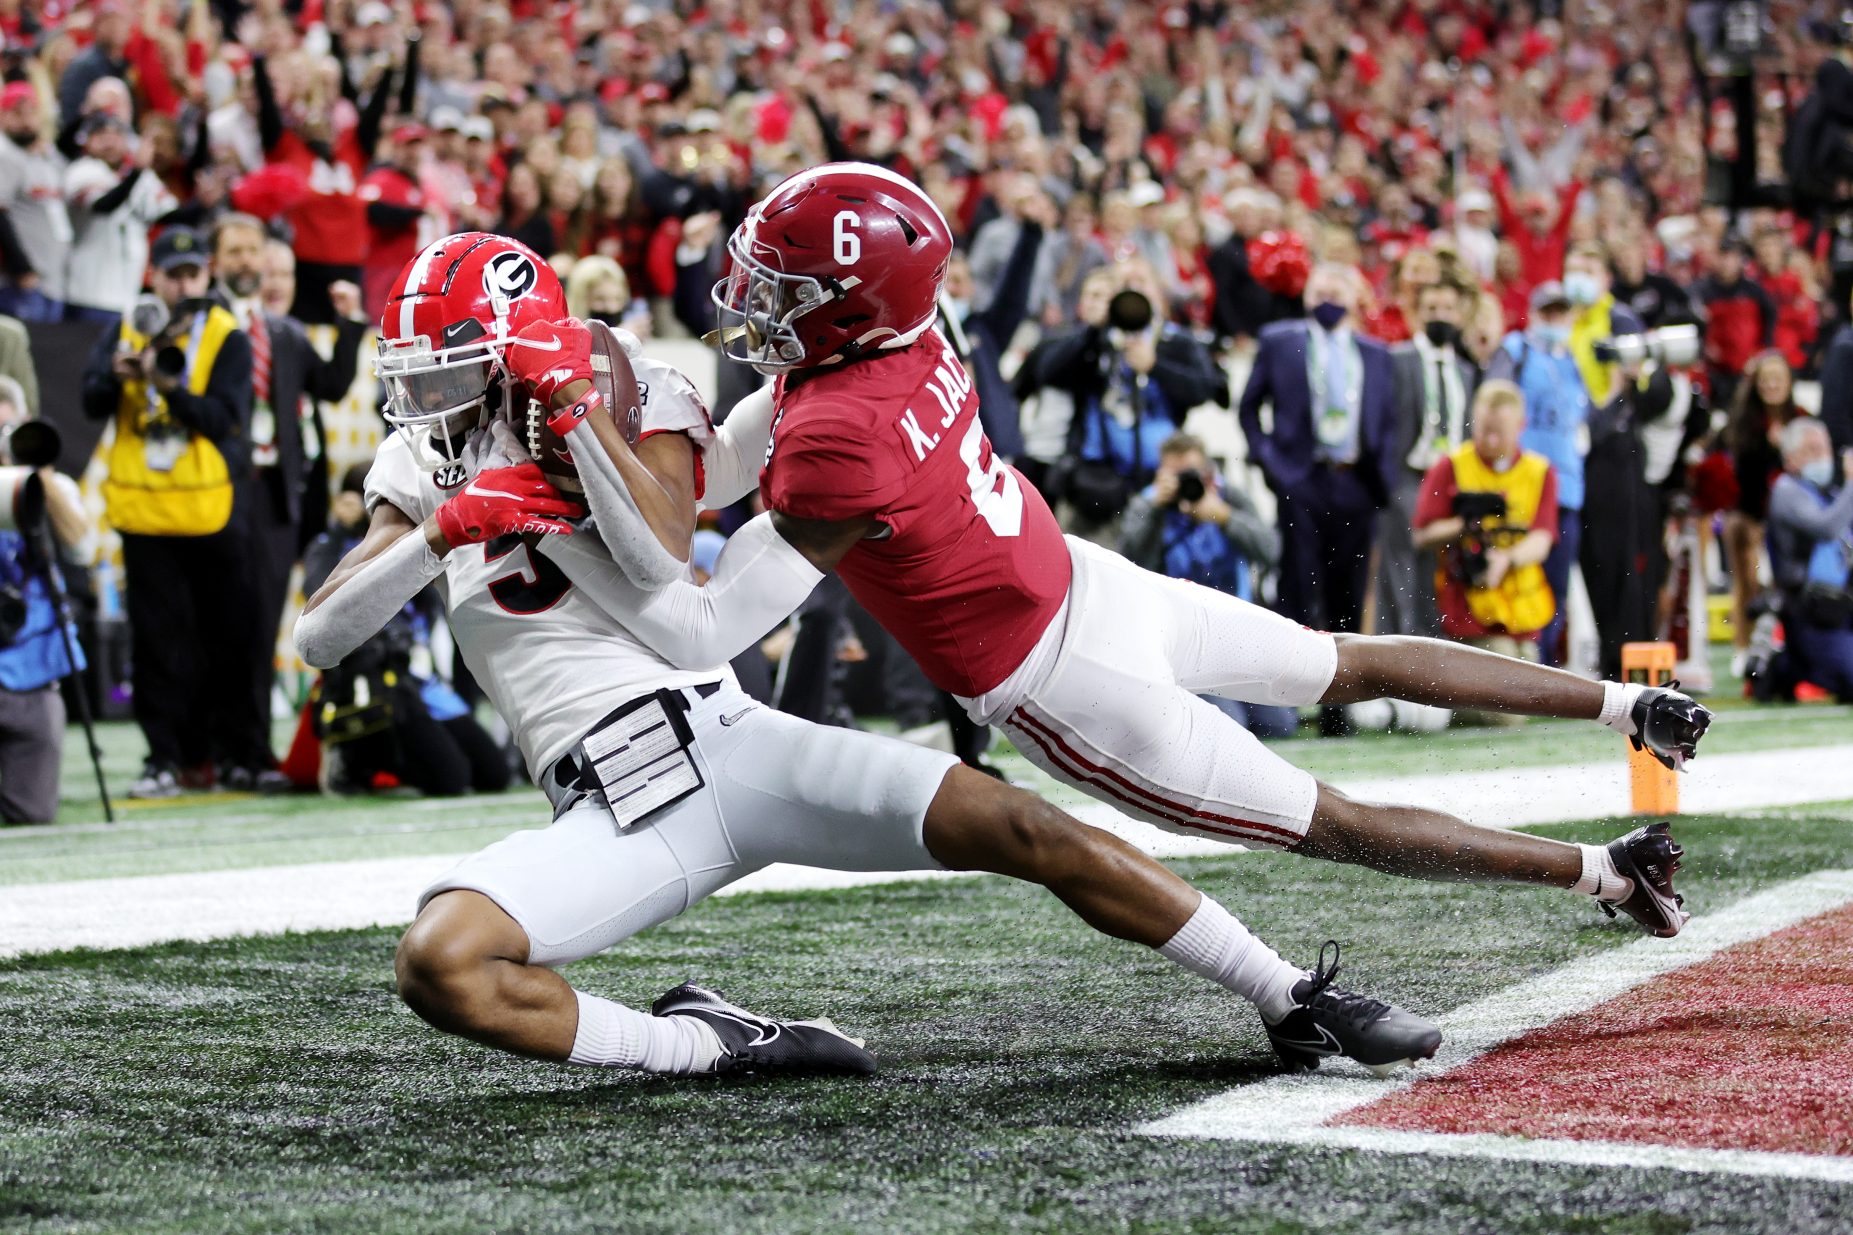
x=276 y=1084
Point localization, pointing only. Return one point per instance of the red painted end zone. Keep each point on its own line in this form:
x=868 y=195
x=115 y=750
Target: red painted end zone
x=1752 y=1049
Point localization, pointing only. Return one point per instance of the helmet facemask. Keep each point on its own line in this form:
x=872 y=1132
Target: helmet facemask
x=758 y=308
x=438 y=396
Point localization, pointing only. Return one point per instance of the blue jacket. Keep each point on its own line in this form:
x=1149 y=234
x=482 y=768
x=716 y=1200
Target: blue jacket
x=36 y=656
x=1556 y=407
x=1287 y=454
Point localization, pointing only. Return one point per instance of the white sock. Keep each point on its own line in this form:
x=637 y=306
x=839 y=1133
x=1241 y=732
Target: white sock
x=1600 y=878
x=1618 y=700
x=1216 y=946
x=611 y=1035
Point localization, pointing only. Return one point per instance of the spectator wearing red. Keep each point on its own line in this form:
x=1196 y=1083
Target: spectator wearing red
x=396 y=214
x=1740 y=320
x=1538 y=225
x=620 y=225
x=1798 y=306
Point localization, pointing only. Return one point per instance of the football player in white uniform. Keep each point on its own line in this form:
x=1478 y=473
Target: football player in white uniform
x=668 y=784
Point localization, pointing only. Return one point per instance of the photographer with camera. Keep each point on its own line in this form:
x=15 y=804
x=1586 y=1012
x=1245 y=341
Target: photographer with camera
x=1133 y=380
x=1189 y=524
x=1811 y=557
x=1538 y=360
x=1491 y=509
x=34 y=653
x=176 y=378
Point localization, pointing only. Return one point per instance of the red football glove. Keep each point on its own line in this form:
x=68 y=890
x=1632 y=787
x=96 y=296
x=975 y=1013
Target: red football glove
x=549 y=355
x=506 y=501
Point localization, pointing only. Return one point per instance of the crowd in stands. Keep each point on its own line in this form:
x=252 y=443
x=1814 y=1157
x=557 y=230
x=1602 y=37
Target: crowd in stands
x=1327 y=223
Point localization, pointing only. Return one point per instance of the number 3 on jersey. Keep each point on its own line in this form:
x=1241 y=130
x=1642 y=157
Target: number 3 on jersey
x=535 y=589
x=995 y=491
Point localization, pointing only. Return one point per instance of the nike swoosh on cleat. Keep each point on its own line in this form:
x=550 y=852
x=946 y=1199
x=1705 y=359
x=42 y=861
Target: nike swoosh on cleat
x=1326 y=1045
x=764 y=1031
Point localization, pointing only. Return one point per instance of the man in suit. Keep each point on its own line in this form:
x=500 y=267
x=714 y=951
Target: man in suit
x=1328 y=452
x=1431 y=391
x=288 y=479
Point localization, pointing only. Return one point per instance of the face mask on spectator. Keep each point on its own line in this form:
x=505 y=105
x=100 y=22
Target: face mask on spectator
x=1581 y=288
x=1328 y=314
x=1442 y=334
x=1818 y=472
x=614 y=317
x=1551 y=336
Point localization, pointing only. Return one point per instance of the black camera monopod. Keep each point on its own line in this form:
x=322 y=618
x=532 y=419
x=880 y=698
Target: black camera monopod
x=34 y=444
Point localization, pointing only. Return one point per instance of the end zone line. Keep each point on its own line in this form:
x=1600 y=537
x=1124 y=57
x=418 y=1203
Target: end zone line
x=1295 y=1109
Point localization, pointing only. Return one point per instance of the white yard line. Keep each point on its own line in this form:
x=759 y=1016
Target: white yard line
x=1295 y=1110
x=134 y=911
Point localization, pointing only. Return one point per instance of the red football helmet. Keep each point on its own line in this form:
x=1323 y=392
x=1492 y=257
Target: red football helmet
x=447 y=319
x=835 y=262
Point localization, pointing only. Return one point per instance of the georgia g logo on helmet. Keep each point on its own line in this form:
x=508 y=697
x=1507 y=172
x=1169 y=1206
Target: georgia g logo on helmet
x=510 y=274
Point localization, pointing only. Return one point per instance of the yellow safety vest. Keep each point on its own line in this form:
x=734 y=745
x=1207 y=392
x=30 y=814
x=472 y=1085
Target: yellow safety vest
x=1522 y=604
x=194 y=497
x=1594 y=323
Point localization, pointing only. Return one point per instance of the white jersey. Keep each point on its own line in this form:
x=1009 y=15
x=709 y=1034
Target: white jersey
x=551 y=660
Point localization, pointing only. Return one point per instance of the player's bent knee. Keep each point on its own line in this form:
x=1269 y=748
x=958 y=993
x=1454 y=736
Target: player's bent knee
x=979 y=823
x=445 y=965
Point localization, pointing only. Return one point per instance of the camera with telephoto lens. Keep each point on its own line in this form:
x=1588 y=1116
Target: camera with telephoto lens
x=1671 y=347
x=1190 y=487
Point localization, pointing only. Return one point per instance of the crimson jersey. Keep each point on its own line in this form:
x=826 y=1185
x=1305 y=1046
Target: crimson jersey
x=974 y=567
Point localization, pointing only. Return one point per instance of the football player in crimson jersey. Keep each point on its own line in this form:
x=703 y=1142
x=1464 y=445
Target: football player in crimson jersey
x=877 y=468
x=491 y=388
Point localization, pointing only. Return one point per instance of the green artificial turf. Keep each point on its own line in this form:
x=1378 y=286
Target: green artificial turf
x=276 y=1084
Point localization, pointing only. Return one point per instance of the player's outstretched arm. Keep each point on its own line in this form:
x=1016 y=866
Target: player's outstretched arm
x=731 y=462
x=391 y=564
x=761 y=577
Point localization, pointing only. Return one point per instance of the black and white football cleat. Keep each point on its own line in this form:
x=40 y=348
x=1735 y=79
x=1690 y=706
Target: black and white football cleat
x=1668 y=724
x=757 y=1043
x=1327 y=1020
x=1650 y=857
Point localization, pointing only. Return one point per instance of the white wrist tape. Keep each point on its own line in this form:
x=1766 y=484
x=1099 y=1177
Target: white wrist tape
x=620 y=522
x=1618 y=700
x=367 y=600
x=759 y=579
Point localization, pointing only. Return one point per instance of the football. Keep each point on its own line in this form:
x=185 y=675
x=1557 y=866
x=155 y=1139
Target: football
x=617 y=383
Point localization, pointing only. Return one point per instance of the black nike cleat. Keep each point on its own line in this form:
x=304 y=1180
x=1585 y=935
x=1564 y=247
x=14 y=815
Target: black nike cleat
x=1650 y=856
x=1326 y=1020
x=1668 y=724
x=759 y=1044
